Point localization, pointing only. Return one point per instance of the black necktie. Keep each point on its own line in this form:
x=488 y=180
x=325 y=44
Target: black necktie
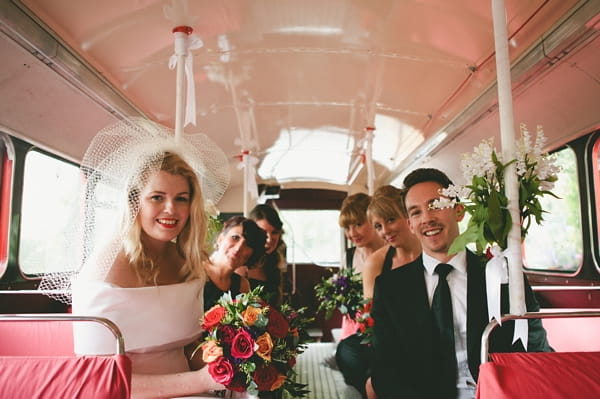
x=443 y=325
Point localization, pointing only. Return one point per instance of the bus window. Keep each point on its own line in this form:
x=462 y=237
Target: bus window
x=312 y=236
x=557 y=244
x=50 y=190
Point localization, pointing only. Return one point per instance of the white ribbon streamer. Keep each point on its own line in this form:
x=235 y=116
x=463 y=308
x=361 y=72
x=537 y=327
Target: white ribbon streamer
x=496 y=273
x=249 y=163
x=521 y=332
x=184 y=44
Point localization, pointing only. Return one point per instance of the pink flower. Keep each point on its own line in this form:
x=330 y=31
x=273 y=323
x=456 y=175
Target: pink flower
x=211 y=351
x=221 y=371
x=242 y=346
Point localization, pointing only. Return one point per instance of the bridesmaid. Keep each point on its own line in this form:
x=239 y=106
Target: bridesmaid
x=241 y=242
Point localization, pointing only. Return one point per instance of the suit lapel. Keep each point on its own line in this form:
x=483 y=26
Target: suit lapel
x=477 y=315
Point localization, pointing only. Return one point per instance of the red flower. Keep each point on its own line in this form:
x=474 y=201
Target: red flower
x=226 y=334
x=238 y=383
x=213 y=316
x=265 y=377
x=292 y=362
x=488 y=253
x=242 y=346
x=221 y=371
x=278 y=326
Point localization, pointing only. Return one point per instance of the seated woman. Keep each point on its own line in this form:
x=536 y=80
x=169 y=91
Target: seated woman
x=269 y=272
x=388 y=217
x=241 y=242
x=149 y=271
x=357 y=229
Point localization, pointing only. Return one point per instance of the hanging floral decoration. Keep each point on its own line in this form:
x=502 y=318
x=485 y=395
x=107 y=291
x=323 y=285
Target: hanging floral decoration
x=484 y=198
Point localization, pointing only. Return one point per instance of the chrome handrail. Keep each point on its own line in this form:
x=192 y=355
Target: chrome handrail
x=114 y=329
x=529 y=315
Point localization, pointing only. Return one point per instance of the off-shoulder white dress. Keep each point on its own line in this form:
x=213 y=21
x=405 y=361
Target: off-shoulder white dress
x=156 y=322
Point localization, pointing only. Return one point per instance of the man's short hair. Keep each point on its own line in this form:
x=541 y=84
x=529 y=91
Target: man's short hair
x=423 y=175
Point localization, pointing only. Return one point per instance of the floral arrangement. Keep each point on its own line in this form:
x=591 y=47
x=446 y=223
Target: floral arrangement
x=485 y=197
x=365 y=323
x=251 y=346
x=343 y=291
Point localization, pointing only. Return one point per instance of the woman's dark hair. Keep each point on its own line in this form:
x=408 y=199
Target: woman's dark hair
x=254 y=235
x=267 y=213
x=272 y=261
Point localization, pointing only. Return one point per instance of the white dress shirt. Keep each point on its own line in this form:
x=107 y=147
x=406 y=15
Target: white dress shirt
x=457 y=281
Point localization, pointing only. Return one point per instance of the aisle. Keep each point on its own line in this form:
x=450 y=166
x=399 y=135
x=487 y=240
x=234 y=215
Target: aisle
x=323 y=382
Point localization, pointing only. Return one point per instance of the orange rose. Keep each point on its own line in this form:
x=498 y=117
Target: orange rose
x=211 y=351
x=265 y=346
x=250 y=315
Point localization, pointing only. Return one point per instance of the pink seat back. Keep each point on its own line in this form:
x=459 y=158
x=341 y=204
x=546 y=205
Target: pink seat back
x=37 y=361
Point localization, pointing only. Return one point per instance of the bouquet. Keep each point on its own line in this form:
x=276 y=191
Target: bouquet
x=341 y=291
x=485 y=198
x=365 y=323
x=251 y=346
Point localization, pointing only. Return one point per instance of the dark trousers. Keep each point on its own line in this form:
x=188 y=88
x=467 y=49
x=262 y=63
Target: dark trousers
x=354 y=361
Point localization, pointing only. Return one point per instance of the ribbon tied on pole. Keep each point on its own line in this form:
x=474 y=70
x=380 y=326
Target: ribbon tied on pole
x=185 y=42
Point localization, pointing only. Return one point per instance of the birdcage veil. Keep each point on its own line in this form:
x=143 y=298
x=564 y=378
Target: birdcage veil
x=117 y=164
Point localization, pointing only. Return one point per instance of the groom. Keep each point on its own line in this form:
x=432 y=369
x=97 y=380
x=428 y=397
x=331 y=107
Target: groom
x=409 y=360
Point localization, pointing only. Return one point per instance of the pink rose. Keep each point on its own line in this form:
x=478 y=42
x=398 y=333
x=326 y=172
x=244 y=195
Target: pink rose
x=242 y=346
x=213 y=317
x=221 y=371
x=211 y=351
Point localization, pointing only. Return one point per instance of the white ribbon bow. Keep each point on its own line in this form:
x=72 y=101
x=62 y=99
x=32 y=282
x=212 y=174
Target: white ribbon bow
x=496 y=273
x=184 y=44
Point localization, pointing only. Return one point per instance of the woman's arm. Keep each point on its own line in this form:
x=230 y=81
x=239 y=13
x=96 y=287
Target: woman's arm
x=372 y=269
x=172 y=385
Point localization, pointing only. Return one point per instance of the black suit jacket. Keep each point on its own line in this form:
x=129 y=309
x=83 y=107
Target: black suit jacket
x=402 y=335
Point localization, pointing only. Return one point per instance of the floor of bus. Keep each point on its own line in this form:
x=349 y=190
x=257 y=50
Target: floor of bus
x=323 y=381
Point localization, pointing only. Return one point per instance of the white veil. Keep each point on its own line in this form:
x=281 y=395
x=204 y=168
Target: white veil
x=108 y=207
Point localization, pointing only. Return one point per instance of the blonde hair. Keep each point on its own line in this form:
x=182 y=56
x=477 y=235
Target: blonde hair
x=387 y=203
x=354 y=210
x=189 y=242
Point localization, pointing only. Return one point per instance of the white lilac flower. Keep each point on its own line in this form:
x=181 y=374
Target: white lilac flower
x=479 y=163
x=442 y=203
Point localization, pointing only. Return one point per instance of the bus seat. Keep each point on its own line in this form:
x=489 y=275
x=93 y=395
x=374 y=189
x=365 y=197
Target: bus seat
x=37 y=360
x=571 y=374
x=547 y=375
x=561 y=337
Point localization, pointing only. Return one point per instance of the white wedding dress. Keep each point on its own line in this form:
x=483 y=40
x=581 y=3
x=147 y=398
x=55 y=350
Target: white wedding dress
x=156 y=322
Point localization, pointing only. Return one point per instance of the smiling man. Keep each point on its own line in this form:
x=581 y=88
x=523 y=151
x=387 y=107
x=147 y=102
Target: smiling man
x=427 y=343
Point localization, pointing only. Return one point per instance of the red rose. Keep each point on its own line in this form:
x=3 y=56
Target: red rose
x=226 y=333
x=238 y=383
x=278 y=326
x=370 y=322
x=213 y=316
x=265 y=377
x=242 y=346
x=221 y=371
